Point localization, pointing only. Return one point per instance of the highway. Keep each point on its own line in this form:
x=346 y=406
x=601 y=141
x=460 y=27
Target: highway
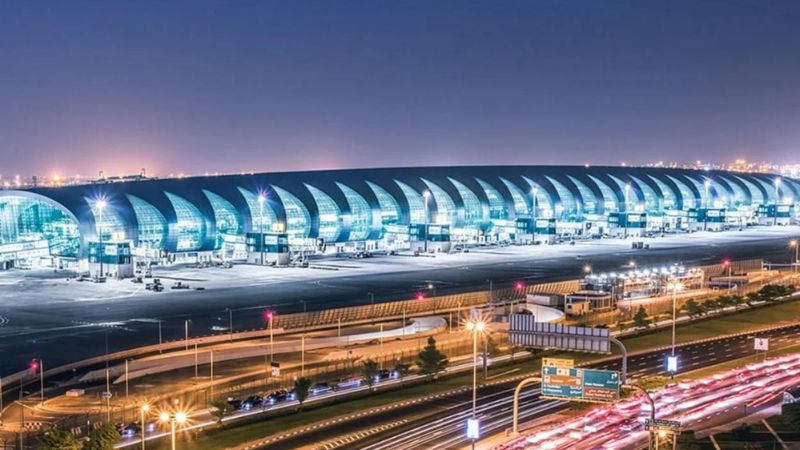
x=439 y=424
x=60 y=332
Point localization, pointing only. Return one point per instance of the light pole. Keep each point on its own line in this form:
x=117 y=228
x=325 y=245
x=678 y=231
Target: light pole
x=796 y=246
x=261 y=199
x=777 y=198
x=534 y=191
x=707 y=185
x=587 y=269
x=727 y=264
x=270 y=317
x=476 y=327
x=100 y=205
x=174 y=419
x=625 y=225
x=186 y=334
x=426 y=195
x=674 y=287
x=142 y=410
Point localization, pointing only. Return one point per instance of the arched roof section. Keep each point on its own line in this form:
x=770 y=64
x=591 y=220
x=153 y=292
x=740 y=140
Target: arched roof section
x=109 y=223
x=547 y=201
x=521 y=206
x=635 y=196
x=757 y=196
x=262 y=215
x=689 y=197
x=151 y=226
x=611 y=198
x=739 y=194
x=672 y=196
x=446 y=211
x=474 y=210
x=592 y=203
x=298 y=219
x=191 y=225
x=568 y=202
x=697 y=184
x=391 y=213
x=498 y=206
x=227 y=219
x=652 y=194
x=361 y=218
x=329 y=214
x=28 y=217
x=415 y=202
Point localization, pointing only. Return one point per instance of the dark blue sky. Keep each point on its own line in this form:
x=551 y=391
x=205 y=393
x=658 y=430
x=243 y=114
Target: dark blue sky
x=226 y=86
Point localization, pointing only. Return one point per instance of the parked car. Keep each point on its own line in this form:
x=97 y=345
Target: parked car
x=254 y=401
x=281 y=395
x=235 y=403
x=320 y=388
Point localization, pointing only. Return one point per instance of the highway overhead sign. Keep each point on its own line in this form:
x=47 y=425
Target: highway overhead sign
x=577 y=384
x=671 y=426
x=526 y=332
x=561 y=363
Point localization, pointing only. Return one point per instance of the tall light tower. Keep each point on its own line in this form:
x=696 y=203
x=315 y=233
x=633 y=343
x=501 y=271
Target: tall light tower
x=261 y=199
x=174 y=419
x=426 y=195
x=476 y=326
x=100 y=205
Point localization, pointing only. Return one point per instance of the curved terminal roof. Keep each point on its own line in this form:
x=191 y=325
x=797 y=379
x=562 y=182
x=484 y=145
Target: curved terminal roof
x=192 y=214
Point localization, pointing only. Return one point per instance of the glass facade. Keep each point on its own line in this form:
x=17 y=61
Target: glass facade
x=416 y=203
x=446 y=212
x=497 y=204
x=226 y=217
x=360 y=213
x=298 y=220
x=190 y=225
x=330 y=216
x=390 y=209
x=151 y=224
x=473 y=208
x=25 y=220
x=181 y=216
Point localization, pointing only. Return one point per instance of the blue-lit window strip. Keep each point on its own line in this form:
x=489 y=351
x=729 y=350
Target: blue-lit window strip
x=151 y=224
x=226 y=217
x=330 y=216
x=446 y=212
x=521 y=208
x=390 y=208
x=497 y=204
x=190 y=227
x=262 y=217
x=416 y=203
x=27 y=220
x=112 y=227
x=360 y=213
x=473 y=208
x=298 y=220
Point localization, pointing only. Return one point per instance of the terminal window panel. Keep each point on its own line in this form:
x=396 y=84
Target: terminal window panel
x=473 y=208
x=24 y=219
x=544 y=202
x=112 y=226
x=151 y=226
x=416 y=203
x=587 y=196
x=262 y=216
x=737 y=195
x=566 y=199
x=330 y=216
x=521 y=208
x=226 y=217
x=360 y=213
x=756 y=197
x=446 y=212
x=651 y=198
x=190 y=226
x=497 y=204
x=298 y=220
x=670 y=197
x=610 y=202
x=390 y=208
x=689 y=199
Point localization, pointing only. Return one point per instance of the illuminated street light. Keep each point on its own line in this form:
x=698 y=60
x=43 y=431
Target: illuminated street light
x=426 y=195
x=587 y=268
x=476 y=327
x=145 y=408
x=100 y=204
x=674 y=288
x=174 y=419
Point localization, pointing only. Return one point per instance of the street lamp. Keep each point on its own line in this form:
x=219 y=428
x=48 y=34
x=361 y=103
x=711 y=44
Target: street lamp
x=261 y=199
x=726 y=263
x=674 y=288
x=534 y=191
x=796 y=246
x=100 y=205
x=145 y=408
x=174 y=419
x=475 y=326
x=587 y=269
x=426 y=195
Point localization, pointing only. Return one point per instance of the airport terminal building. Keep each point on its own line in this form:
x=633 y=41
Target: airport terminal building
x=282 y=218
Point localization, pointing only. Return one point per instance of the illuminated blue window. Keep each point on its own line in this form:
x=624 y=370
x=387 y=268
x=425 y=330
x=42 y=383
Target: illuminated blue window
x=610 y=202
x=109 y=226
x=226 y=217
x=151 y=224
x=689 y=199
x=670 y=197
x=416 y=203
x=390 y=209
x=651 y=199
x=544 y=203
x=298 y=221
x=445 y=207
x=587 y=196
x=360 y=214
x=330 y=216
x=633 y=197
x=521 y=208
x=262 y=217
x=30 y=220
x=757 y=197
x=190 y=226
x=566 y=199
x=737 y=195
x=497 y=204
x=473 y=208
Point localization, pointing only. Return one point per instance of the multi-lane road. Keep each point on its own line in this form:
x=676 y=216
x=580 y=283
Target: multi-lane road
x=64 y=331
x=439 y=424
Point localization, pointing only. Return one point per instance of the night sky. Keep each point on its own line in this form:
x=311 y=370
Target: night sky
x=231 y=86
